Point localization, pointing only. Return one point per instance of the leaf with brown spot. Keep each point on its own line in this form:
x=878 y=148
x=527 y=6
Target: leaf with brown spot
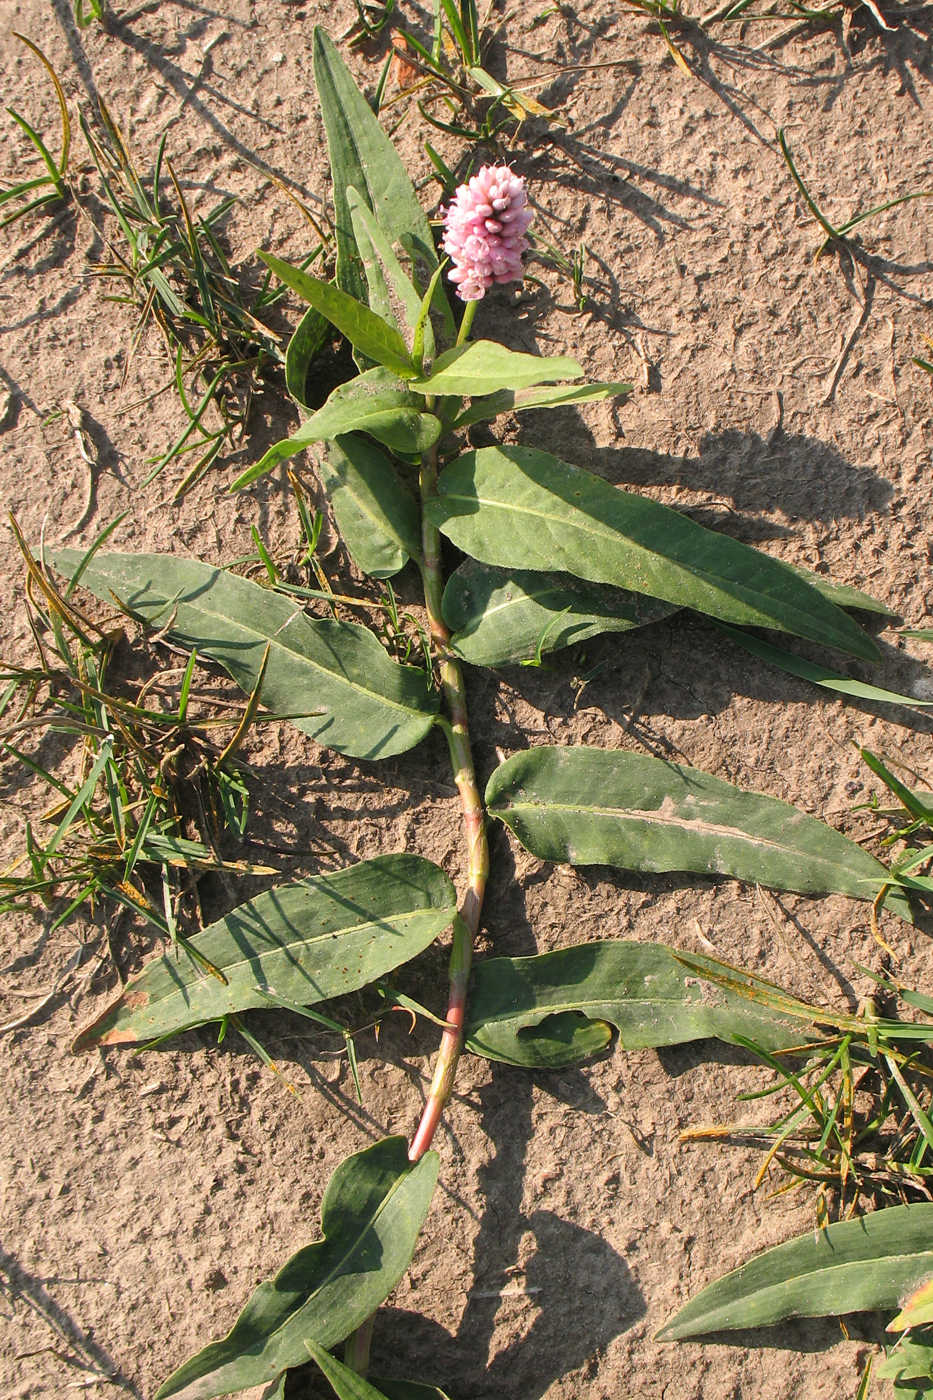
x=305 y=942
x=601 y=807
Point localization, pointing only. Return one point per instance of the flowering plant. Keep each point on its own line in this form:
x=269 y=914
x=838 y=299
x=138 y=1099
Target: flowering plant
x=551 y=554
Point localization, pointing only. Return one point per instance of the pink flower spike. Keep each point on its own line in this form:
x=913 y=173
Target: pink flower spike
x=484 y=231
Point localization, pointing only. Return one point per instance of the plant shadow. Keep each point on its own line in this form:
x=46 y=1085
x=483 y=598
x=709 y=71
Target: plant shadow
x=72 y=1343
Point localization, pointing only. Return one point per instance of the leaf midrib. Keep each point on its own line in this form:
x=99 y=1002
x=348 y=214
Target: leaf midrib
x=696 y=826
x=280 y=948
x=370 y=1223
x=586 y=1003
x=827 y=1270
x=743 y=591
x=527 y=596
x=275 y=640
x=270 y=1337
x=301 y=434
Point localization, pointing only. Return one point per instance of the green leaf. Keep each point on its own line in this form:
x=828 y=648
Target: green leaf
x=916 y=1311
x=391 y=291
x=851 y=1266
x=512 y=401
x=484 y=366
x=499 y=616
x=333 y=679
x=366 y=331
x=376 y=403
x=350 y=1385
x=379 y=404
x=522 y=508
x=345 y=1383
x=920 y=634
x=842 y=594
x=373 y=1210
x=554 y=1009
x=918 y=804
x=911 y=1360
x=306 y=343
x=306 y=942
x=362 y=158
x=819 y=675
x=376 y=516
x=603 y=807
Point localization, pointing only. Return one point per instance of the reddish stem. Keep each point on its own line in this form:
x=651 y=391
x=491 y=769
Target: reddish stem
x=461 y=757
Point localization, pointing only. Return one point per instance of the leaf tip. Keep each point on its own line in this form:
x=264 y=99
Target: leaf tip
x=104 y=1031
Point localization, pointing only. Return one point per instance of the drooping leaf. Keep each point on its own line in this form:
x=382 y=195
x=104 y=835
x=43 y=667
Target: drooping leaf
x=376 y=515
x=555 y=1009
x=391 y=291
x=512 y=401
x=373 y=1210
x=376 y=403
x=350 y=1385
x=379 y=404
x=499 y=616
x=333 y=679
x=604 y=807
x=365 y=331
x=521 y=508
x=363 y=158
x=817 y=674
x=485 y=366
x=851 y=1266
x=306 y=343
x=305 y=942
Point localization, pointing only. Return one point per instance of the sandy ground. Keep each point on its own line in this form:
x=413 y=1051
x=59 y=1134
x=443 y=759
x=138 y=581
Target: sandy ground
x=141 y=1199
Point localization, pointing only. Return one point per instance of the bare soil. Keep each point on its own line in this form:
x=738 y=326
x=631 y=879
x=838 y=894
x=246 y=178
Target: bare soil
x=142 y=1198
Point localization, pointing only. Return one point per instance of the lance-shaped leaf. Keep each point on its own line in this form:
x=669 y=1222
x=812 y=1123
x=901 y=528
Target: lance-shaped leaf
x=557 y=1008
x=558 y=396
x=504 y=615
x=350 y=1385
x=363 y=158
x=484 y=366
x=304 y=942
x=366 y=331
x=306 y=343
x=522 y=508
x=376 y=515
x=851 y=1266
x=373 y=1210
x=376 y=403
x=391 y=291
x=819 y=675
x=332 y=679
x=603 y=807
